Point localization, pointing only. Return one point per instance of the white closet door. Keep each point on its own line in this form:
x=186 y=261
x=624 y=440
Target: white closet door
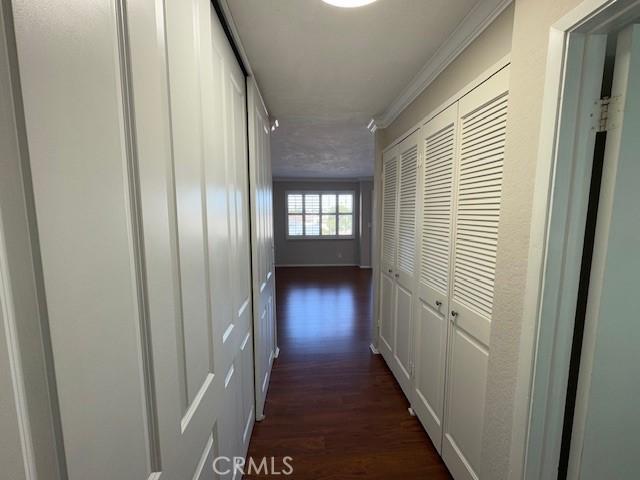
x=604 y=441
x=82 y=200
x=482 y=122
x=438 y=138
x=235 y=330
x=404 y=275
x=134 y=193
x=262 y=244
x=390 y=166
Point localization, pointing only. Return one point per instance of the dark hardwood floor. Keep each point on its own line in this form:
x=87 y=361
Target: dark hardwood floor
x=332 y=405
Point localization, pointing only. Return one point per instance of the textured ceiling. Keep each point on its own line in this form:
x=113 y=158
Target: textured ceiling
x=324 y=72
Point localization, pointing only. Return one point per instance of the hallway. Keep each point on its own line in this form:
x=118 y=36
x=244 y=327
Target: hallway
x=332 y=405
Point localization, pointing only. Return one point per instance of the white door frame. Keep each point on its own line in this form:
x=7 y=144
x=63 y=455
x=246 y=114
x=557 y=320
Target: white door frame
x=577 y=46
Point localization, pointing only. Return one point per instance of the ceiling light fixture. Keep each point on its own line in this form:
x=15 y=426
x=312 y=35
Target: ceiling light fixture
x=348 y=3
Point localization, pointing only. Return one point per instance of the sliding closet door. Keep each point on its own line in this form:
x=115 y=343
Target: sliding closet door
x=439 y=138
x=137 y=146
x=482 y=122
x=262 y=244
x=604 y=441
x=234 y=325
x=390 y=166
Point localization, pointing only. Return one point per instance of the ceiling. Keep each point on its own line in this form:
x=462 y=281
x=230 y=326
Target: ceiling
x=324 y=72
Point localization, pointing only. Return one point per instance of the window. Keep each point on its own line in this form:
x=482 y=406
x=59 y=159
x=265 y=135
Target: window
x=320 y=215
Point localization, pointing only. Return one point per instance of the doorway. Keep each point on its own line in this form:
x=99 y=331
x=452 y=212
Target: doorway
x=585 y=361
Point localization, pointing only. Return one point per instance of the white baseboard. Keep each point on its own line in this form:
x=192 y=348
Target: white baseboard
x=317 y=265
x=277 y=354
x=373 y=349
x=366 y=267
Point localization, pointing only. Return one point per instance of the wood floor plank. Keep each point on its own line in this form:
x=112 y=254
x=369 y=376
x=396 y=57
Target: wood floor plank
x=332 y=405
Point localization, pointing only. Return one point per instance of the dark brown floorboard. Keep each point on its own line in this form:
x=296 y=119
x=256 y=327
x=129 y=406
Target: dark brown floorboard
x=332 y=405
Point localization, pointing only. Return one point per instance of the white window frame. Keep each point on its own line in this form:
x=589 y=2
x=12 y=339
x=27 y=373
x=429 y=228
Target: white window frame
x=321 y=192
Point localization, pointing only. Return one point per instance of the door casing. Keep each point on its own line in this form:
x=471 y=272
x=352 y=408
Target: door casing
x=575 y=60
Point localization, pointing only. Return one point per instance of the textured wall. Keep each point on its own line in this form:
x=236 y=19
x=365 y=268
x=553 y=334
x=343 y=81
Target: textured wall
x=313 y=252
x=532 y=22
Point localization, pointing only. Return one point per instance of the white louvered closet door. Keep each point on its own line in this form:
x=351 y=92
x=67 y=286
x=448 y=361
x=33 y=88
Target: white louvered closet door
x=390 y=165
x=402 y=364
x=438 y=144
x=480 y=158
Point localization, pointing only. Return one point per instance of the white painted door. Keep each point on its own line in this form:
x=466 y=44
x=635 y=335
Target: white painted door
x=480 y=158
x=137 y=145
x=262 y=244
x=604 y=441
x=390 y=166
x=402 y=363
x=397 y=275
x=230 y=267
x=16 y=454
x=435 y=208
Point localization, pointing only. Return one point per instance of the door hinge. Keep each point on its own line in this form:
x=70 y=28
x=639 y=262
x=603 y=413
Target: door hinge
x=603 y=114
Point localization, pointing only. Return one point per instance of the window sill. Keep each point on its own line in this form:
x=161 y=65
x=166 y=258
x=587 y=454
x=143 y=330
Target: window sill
x=325 y=237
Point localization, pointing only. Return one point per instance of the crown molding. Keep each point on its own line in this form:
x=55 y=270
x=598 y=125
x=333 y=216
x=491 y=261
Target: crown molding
x=476 y=21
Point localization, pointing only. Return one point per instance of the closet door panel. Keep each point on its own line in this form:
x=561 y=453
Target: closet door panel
x=390 y=167
x=482 y=127
x=406 y=261
x=233 y=328
x=188 y=163
x=387 y=314
x=427 y=401
x=439 y=145
x=434 y=251
x=389 y=211
x=247 y=410
x=406 y=229
x=468 y=376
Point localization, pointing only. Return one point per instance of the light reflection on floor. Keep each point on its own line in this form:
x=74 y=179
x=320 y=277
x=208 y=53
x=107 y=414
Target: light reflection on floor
x=321 y=313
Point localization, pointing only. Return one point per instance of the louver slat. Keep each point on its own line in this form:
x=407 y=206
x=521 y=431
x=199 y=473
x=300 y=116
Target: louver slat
x=478 y=207
x=407 y=209
x=389 y=210
x=437 y=190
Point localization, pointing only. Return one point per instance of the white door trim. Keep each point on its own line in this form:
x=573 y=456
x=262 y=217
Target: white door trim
x=565 y=153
